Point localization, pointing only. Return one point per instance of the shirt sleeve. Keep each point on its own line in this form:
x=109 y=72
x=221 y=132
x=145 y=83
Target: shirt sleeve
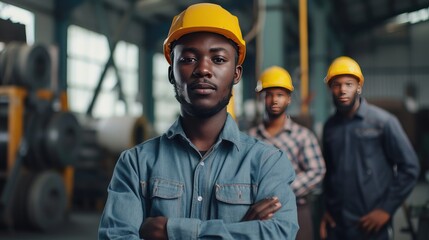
x=311 y=167
x=276 y=176
x=400 y=151
x=120 y=220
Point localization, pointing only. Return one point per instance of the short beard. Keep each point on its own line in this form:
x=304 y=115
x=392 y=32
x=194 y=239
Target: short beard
x=346 y=108
x=275 y=115
x=202 y=113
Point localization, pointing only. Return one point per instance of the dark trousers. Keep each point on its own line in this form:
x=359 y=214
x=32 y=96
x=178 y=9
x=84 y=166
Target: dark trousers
x=305 y=222
x=354 y=233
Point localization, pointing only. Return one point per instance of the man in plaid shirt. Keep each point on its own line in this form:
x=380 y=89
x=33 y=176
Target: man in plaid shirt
x=298 y=142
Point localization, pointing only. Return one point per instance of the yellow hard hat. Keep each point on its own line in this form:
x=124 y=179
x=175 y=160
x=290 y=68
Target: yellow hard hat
x=205 y=17
x=344 y=66
x=274 y=77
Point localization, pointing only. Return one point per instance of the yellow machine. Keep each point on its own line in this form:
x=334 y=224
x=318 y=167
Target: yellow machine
x=39 y=141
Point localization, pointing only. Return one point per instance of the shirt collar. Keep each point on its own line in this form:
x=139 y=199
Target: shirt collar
x=288 y=124
x=286 y=127
x=363 y=108
x=229 y=132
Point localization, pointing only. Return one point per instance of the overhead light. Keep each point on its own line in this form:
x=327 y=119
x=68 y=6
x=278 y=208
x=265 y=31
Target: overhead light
x=147 y=3
x=412 y=17
x=419 y=16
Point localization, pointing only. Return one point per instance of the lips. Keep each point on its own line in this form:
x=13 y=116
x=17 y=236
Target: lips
x=202 y=87
x=343 y=100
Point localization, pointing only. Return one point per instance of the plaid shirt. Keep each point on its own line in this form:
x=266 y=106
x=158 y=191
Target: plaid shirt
x=302 y=148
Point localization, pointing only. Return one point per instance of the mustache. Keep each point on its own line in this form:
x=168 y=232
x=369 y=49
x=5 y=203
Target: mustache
x=202 y=82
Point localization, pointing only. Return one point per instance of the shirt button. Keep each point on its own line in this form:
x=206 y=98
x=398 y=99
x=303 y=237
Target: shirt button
x=199 y=198
x=202 y=163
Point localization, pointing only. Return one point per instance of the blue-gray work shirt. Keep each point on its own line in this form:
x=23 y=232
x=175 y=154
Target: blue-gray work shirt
x=202 y=197
x=370 y=164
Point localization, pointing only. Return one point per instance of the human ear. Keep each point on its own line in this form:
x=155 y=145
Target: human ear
x=237 y=73
x=170 y=75
x=289 y=100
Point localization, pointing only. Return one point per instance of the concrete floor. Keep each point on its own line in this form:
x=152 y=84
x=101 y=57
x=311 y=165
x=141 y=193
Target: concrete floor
x=78 y=226
x=84 y=225
x=418 y=197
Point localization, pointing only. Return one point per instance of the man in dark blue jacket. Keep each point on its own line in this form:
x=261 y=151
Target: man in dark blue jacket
x=371 y=165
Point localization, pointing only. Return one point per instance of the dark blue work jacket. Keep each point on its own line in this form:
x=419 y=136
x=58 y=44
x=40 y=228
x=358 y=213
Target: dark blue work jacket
x=370 y=164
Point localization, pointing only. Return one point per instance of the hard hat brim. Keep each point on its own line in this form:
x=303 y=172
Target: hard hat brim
x=184 y=31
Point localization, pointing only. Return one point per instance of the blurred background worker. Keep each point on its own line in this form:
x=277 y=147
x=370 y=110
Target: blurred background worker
x=371 y=165
x=297 y=141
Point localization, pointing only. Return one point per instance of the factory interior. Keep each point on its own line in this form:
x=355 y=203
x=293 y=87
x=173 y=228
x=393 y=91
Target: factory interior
x=83 y=80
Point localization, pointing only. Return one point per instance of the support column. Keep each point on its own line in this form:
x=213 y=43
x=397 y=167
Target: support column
x=319 y=64
x=272 y=37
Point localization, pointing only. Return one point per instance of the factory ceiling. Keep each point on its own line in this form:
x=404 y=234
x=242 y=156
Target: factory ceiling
x=357 y=15
x=345 y=15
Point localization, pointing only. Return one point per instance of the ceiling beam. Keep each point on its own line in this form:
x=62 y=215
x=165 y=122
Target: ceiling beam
x=340 y=23
x=368 y=9
x=64 y=7
x=376 y=21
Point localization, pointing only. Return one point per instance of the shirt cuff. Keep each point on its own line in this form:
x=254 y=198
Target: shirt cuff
x=183 y=228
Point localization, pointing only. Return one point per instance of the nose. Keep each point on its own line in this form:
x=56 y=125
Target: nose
x=275 y=99
x=343 y=88
x=203 y=69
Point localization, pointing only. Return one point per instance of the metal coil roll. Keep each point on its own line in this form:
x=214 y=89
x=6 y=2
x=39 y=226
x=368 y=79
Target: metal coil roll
x=119 y=133
x=25 y=65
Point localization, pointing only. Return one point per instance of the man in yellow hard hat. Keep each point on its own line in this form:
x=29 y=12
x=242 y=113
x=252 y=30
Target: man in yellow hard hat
x=371 y=166
x=203 y=178
x=299 y=143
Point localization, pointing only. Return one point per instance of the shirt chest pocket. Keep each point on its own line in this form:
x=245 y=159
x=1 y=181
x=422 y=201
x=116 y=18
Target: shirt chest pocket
x=369 y=141
x=233 y=200
x=165 y=197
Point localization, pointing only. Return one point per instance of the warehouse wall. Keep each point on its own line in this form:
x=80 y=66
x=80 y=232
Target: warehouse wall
x=391 y=60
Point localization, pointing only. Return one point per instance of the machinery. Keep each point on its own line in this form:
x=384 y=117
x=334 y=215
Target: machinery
x=101 y=144
x=39 y=141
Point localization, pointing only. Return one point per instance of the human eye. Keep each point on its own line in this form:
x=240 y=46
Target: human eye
x=187 y=59
x=268 y=95
x=219 y=59
x=335 y=85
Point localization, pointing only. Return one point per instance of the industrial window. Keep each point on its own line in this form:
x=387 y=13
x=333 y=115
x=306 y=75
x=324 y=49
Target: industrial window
x=87 y=54
x=18 y=15
x=165 y=105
